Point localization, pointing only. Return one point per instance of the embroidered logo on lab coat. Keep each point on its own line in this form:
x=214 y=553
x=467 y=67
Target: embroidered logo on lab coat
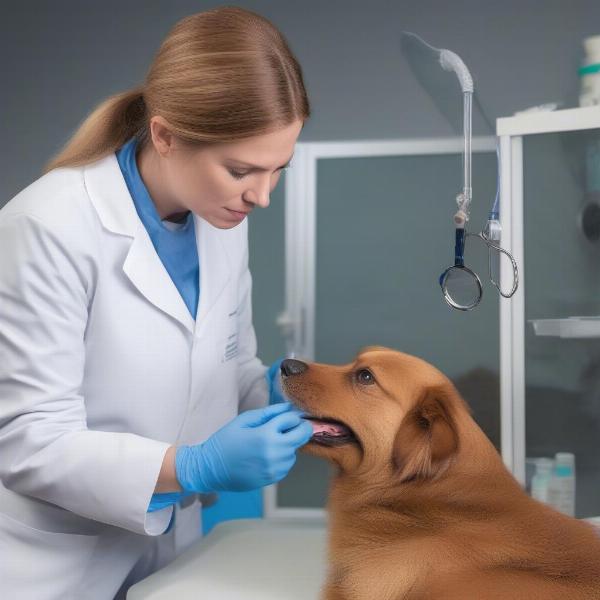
x=231 y=345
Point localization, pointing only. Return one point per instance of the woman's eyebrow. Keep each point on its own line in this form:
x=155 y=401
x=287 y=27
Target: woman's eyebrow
x=252 y=167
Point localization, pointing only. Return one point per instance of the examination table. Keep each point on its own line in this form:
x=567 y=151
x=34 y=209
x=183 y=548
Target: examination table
x=248 y=559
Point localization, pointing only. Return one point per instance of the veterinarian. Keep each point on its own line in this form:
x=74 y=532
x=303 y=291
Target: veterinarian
x=129 y=381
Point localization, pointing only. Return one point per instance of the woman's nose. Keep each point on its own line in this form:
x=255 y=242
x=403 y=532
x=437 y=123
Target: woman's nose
x=262 y=196
x=264 y=201
x=259 y=193
x=290 y=366
x=255 y=199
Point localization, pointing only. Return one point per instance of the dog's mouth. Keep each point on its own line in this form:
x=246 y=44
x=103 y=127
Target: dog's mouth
x=330 y=432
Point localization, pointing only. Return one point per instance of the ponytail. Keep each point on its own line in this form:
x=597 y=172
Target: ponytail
x=107 y=128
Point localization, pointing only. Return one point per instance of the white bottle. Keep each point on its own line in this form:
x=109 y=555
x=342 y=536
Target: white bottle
x=590 y=72
x=561 y=493
x=540 y=482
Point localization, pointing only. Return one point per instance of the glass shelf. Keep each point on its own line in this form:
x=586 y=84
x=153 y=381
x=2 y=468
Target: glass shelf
x=571 y=327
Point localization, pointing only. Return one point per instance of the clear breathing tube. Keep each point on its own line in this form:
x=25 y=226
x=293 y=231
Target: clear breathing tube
x=465 y=203
x=420 y=54
x=450 y=61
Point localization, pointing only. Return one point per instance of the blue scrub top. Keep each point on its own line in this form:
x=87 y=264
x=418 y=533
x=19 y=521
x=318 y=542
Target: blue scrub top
x=174 y=243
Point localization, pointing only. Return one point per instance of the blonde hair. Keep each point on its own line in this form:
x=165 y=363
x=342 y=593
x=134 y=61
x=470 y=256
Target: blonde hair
x=219 y=76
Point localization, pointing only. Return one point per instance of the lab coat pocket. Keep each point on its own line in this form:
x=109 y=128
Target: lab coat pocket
x=42 y=565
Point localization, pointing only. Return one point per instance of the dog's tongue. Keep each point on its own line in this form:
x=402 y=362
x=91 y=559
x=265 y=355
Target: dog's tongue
x=327 y=428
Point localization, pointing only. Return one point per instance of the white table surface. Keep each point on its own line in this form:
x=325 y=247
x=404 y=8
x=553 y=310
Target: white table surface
x=247 y=559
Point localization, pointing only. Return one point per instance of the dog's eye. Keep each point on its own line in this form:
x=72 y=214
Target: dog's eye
x=365 y=377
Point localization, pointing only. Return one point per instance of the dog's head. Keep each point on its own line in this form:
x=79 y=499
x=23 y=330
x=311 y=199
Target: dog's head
x=385 y=410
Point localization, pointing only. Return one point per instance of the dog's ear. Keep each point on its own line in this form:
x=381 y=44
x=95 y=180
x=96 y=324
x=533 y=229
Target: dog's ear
x=427 y=438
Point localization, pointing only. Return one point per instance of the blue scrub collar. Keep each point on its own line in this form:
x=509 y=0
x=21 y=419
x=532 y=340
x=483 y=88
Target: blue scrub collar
x=126 y=156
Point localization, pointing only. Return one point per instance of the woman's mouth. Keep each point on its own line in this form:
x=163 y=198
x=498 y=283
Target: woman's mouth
x=238 y=214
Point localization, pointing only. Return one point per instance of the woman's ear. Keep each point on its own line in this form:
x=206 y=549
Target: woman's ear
x=427 y=438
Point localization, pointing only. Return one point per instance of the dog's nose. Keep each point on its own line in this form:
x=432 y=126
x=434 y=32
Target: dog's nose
x=289 y=366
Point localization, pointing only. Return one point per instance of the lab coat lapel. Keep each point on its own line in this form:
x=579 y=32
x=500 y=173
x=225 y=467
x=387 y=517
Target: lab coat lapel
x=147 y=272
x=112 y=201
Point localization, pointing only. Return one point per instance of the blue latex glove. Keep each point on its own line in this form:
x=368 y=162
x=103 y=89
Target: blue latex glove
x=273 y=377
x=255 y=449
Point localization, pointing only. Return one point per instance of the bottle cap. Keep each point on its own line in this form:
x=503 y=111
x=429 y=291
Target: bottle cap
x=565 y=463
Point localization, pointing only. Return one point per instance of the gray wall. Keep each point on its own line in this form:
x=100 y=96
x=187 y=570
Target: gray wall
x=58 y=59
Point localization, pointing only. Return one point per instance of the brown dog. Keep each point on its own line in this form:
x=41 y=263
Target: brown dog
x=422 y=506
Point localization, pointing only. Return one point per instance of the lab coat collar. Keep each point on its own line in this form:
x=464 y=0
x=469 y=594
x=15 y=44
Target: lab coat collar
x=110 y=197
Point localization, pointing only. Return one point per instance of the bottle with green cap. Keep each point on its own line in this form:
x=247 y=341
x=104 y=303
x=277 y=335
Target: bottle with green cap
x=589 y=72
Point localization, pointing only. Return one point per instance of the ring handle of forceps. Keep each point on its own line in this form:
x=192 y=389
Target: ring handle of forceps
x=491 y=245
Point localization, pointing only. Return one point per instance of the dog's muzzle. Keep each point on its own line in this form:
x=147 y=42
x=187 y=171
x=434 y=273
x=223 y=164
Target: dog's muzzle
x=326 y=431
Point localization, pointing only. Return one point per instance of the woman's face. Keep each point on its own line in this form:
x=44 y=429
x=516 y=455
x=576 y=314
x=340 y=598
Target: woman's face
x=221 y=183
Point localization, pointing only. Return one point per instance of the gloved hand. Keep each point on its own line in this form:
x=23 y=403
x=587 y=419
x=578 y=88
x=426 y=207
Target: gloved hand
x=273 y=377
x=255 y=449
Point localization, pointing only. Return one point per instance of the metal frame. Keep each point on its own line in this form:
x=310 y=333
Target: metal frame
x=298 y=319
x=512 y=314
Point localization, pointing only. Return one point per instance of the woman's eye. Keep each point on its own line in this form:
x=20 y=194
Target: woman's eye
x=365 y=377
x=236 y=174
x=240 y=175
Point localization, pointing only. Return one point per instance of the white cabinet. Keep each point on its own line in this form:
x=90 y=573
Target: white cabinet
x=550 y=330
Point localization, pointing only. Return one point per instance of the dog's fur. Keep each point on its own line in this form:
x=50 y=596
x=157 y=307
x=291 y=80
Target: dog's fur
x=421 y=506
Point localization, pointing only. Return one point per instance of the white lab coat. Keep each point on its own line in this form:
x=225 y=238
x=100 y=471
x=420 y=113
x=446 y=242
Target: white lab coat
x=102 y=368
